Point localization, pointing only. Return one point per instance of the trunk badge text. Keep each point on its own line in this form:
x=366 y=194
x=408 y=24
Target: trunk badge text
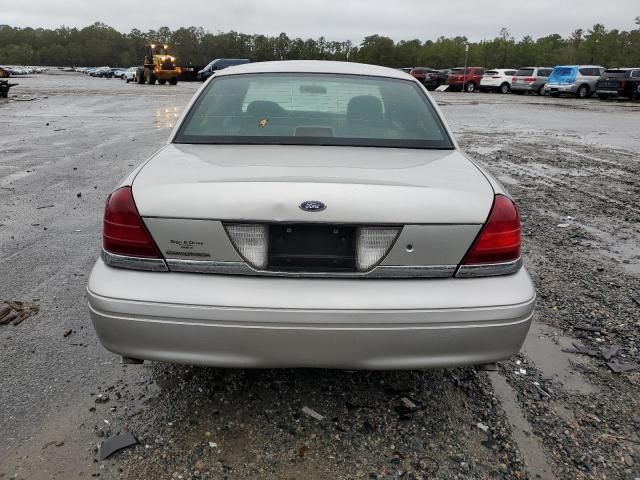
x=312 y=206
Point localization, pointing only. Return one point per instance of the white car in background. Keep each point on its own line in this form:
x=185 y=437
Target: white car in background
x=130 y=74
x=497 y=80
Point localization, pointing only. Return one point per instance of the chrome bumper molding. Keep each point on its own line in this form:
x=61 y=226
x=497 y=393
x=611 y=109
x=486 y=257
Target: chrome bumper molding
x=489 y=270
x=241 y=268
x=134 y=263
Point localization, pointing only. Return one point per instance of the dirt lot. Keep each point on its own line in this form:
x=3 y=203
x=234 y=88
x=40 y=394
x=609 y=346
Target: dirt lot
x=572 y=165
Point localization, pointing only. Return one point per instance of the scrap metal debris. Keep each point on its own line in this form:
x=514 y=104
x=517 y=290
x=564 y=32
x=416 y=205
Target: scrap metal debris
x=610 y=352
x=115 y=444
x=621 y=367
x=587 y=328
x=15 y=312
x=312 y=413
x=582 y=350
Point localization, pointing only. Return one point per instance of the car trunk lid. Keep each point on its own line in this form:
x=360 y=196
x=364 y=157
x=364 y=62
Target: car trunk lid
x=269 y=183
x=405 y=207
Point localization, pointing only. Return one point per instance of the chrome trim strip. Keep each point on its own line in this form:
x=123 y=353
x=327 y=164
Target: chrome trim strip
x=241 y=268
x=489 y=270
x=134 y=263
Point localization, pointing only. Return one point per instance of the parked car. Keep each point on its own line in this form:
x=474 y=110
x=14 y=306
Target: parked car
x=118 y=72
x=497 y=80
x=458 y=79
x=619 y=82
x=578 y=80
x=406 y=69
x=425 y=75
x=284 y=225
x=102 y=72
x=220 y=64
x=130 y=74
x=530 y=80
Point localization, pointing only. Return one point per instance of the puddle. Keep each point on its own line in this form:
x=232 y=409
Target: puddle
x=544 y=346
x=528 y=443
x=508 y=180
x=486 y=149
x=166 y=117
x=620 y=250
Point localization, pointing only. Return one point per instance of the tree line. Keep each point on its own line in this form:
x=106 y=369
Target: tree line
x=100 y=44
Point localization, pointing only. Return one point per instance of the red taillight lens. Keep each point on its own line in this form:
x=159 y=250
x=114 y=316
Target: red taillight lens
x=530 y=79
x=499 y=239
x=496 y=76
x=123 y=231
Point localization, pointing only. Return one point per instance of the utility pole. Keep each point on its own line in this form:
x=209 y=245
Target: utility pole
x=466 y=59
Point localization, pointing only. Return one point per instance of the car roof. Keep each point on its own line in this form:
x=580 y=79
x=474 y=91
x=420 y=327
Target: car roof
x=578 y=66
x=314 y=66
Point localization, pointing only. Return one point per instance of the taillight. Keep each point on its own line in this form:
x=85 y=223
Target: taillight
x=499 y=239
x=124 y=232
x=530 y=79
x=514 y=79
x=496 y=76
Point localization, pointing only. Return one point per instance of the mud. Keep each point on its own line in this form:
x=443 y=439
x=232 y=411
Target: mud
x=568 y=416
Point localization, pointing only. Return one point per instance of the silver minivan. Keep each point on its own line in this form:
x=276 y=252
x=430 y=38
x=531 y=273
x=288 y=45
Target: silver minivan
x=578 y=80
x=530 y=80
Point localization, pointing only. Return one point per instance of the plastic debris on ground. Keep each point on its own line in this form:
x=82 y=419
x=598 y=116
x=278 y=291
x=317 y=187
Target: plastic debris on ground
x=312 y=413
x=115 y=444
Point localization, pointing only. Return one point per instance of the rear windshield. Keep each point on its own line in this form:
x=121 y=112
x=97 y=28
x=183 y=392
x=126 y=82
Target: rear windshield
x=614 y=72
x=457 y=71
x=524 y=72
x=314 y=109
x=492 y=72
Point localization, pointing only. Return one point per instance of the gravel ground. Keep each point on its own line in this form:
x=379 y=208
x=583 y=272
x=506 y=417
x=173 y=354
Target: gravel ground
x=573 y=167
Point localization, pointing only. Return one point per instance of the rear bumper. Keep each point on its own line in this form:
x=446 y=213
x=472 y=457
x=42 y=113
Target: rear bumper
x=532 y=87
x=230 y=321
x=608 y=92
x=557 y=88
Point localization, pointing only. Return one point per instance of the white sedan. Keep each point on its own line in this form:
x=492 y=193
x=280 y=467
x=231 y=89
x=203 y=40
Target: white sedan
x=311 y=214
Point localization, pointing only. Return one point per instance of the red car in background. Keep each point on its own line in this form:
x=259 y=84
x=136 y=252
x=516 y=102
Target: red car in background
x=458 y=79
x=427 y=76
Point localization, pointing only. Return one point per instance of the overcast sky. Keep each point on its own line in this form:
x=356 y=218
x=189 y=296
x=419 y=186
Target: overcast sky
x=335 y=19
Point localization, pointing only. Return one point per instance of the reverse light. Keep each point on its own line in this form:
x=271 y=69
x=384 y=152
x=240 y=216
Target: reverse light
x=123 y=231
x=372 y=245
x=496 y=250
x=251 y=241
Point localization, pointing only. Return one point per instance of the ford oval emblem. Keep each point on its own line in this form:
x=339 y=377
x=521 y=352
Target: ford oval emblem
x=312 y=206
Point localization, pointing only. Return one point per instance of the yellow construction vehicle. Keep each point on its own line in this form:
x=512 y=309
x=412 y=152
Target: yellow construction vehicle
x=158 y=65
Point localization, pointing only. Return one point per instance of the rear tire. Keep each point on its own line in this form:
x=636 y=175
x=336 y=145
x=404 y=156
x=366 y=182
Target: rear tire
x=173 y=81
x=140 y=76
x=470 y=87
x=540 y=91
x=583 y=91
x=504 y=88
